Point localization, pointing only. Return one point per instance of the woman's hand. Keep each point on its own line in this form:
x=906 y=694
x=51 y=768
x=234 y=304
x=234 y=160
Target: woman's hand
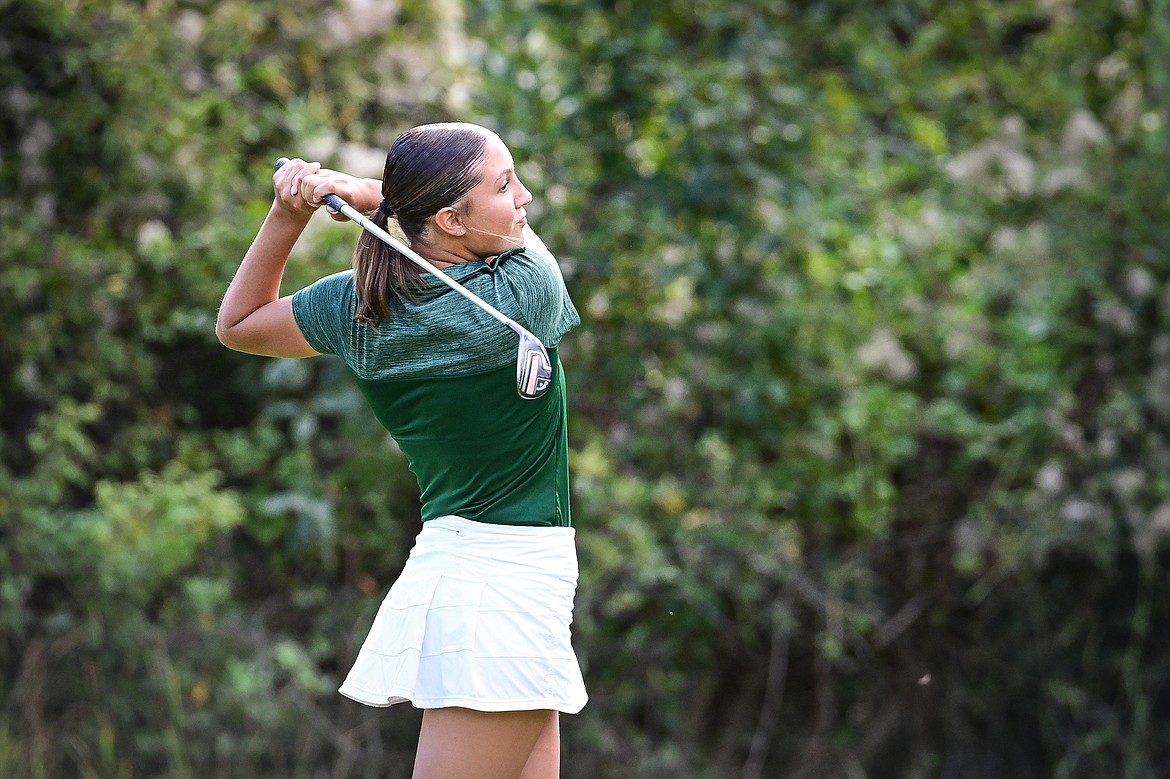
x=301 y=188
x=294 y=191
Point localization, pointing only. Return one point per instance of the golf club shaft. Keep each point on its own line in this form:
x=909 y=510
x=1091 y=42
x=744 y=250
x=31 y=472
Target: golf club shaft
x=353 y=214
x=534 y=371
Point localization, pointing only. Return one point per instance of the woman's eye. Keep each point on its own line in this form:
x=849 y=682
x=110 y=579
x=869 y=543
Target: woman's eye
x=505 y=187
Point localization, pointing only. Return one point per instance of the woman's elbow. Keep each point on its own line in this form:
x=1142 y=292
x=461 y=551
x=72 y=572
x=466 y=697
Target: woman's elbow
x=227 y=335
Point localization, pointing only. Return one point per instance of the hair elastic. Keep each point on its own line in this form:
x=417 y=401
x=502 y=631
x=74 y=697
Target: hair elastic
x=385 y=208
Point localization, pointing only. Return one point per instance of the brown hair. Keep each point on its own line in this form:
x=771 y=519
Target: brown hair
x=427 y=169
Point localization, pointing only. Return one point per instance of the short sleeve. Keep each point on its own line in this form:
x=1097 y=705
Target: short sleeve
x=324 y=313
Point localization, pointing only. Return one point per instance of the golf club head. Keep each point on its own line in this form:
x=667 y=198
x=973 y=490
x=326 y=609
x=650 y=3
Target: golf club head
x=533 y=368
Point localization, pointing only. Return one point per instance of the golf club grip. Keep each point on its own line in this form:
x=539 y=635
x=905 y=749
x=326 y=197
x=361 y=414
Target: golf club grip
x=331 y=200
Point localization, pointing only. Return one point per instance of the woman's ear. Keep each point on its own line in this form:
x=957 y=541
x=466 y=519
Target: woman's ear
x=450 y=221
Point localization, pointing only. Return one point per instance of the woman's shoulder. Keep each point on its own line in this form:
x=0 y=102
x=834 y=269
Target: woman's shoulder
x=324 y=311
x=341 y=280
x=328 y=296
x=533 y=256
x=328 y=290
x=534 y=277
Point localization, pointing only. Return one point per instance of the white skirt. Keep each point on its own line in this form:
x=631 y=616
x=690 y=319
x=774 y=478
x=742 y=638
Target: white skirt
x=479 y=618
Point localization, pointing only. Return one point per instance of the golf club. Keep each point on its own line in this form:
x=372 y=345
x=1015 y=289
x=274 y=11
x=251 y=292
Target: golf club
x=533 y=367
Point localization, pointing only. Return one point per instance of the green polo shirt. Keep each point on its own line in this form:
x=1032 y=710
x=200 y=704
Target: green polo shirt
x=440 y=376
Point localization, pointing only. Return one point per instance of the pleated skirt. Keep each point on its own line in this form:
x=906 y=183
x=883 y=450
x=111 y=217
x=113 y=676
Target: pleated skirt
x=479 y=618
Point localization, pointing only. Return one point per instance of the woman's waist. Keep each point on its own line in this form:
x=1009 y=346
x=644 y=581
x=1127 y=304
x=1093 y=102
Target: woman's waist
x=487 y=549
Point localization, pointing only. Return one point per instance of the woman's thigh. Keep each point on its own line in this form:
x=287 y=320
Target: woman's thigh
x=456 y=743
x=544 y=762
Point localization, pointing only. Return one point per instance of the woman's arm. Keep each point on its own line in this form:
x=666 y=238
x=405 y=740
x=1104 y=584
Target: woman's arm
x=253 y=318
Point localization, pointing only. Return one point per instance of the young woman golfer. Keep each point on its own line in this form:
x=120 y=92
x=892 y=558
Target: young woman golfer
x=476 y=629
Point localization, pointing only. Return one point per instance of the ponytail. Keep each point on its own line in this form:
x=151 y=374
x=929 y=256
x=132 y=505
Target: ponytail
x=380 y=274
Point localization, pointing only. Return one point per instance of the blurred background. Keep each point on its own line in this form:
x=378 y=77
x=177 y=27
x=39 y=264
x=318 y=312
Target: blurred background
x=870 y=406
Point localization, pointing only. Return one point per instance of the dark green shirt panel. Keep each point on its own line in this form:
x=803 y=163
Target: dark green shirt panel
x=482 y=452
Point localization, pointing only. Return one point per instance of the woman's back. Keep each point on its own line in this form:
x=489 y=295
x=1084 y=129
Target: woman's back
x=439 y=375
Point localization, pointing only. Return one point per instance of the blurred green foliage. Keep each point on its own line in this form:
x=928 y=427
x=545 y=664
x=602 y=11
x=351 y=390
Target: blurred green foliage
x=869 y=406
